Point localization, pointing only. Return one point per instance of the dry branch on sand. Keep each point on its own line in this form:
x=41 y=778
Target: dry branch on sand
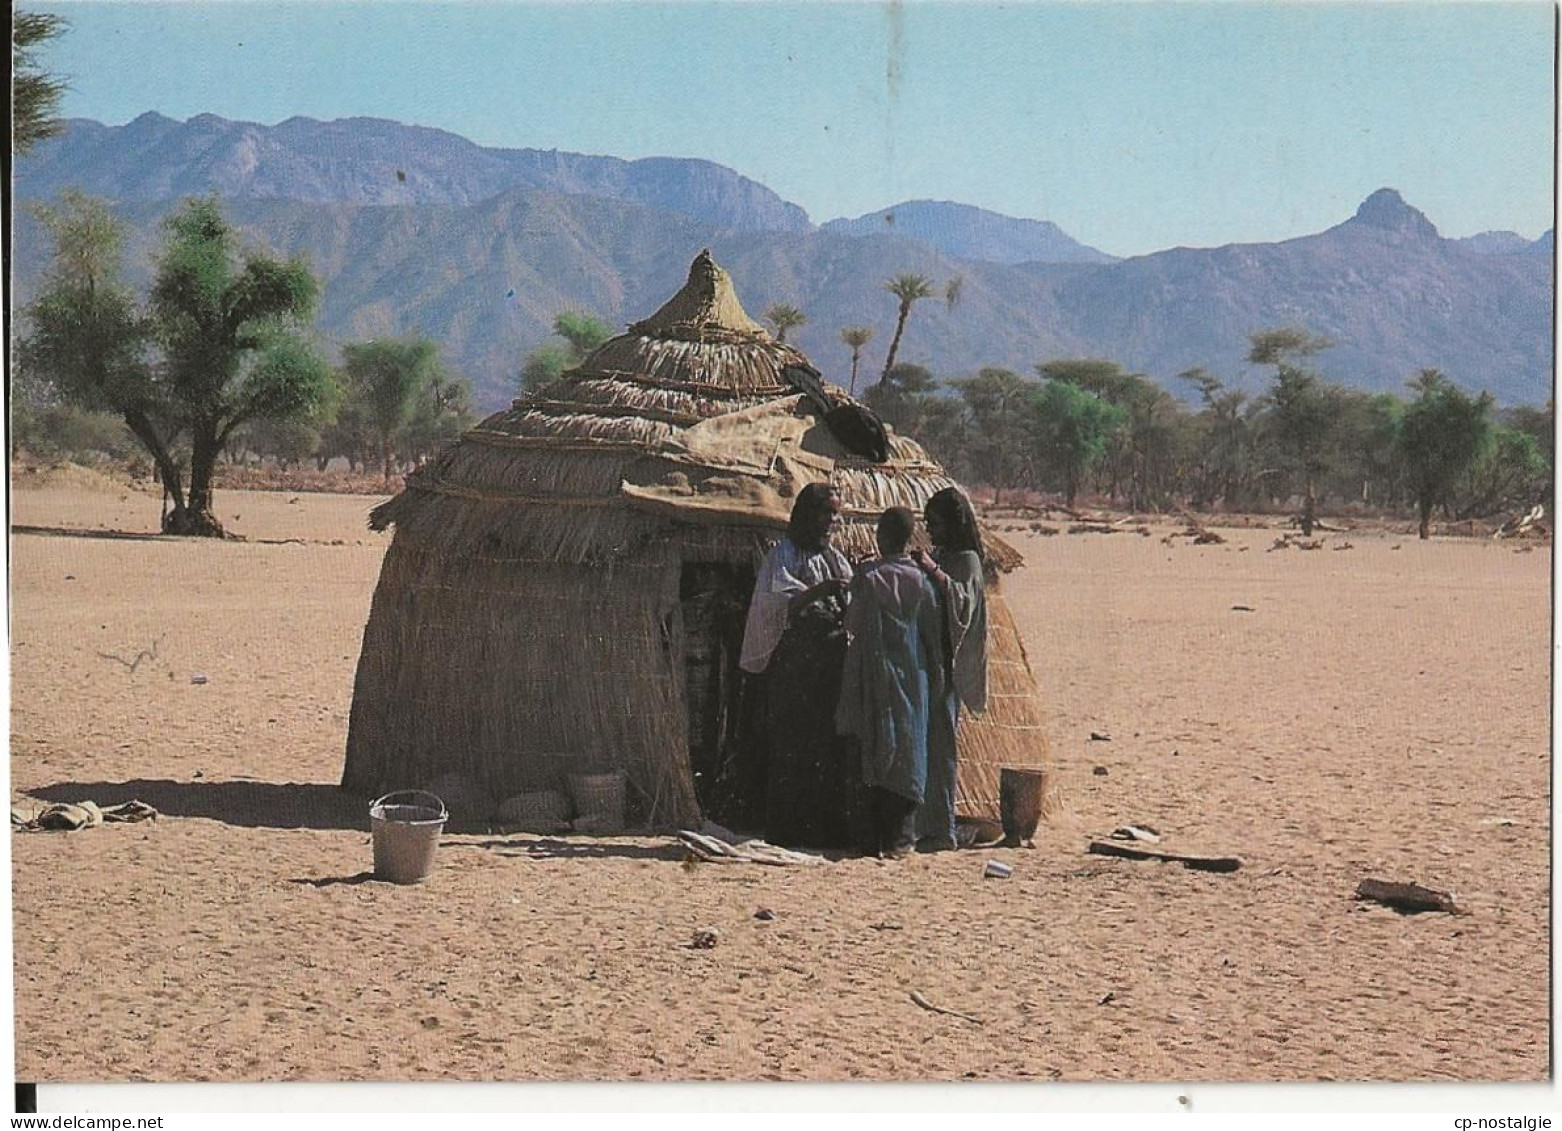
x=1195 y=531
x=1128 y=525
x=1187 y=860
x=921 y=1000
x=145 y=654
x=1287 y=541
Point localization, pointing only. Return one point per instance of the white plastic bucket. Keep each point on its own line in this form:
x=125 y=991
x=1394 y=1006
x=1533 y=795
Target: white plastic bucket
x=406 y=829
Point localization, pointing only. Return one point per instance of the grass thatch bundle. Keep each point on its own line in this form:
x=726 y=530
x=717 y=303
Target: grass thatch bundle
x=546 y=606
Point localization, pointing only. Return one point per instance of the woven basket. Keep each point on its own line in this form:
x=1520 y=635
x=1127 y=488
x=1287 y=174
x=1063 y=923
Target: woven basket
x=544 y=811
x=599 y=801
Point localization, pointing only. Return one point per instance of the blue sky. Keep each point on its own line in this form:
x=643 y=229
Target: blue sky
x=1134 y=127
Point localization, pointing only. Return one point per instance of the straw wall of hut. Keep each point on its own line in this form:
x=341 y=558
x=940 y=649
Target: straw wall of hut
x=564 y=590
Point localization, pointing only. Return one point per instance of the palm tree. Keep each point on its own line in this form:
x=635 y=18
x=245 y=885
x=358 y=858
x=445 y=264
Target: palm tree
x=856 y=337
x=907 y=288
x=784 y=317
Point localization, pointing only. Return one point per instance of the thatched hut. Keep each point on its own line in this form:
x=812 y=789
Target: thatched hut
x=566 y=586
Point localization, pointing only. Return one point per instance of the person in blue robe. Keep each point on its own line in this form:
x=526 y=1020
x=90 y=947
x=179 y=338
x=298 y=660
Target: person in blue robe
x=891 y=682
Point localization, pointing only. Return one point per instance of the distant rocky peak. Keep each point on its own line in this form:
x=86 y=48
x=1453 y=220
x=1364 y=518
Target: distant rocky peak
x=143 y=128
x=1387 y=210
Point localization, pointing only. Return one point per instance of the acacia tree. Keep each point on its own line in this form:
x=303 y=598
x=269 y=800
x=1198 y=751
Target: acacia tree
x=581 y=332
x=289 y=442
x=584 y=332
x=441 y=411
x=1441 y=436
x=996 y=401
x=907 y=289
x=1539 y=423
x=385 y=378
x=231 y=351
x=543 y=366
x=35 y=94
x=856 y=337
x=784 y=316
x=86 y=342
x=1362 y=452
x=1227 y=438
x=1071 y=429
x=230 y=325
x=1298 y=408
x=1524 y=450
x=1140 y=453
x=944 y=430
x=901 y=397
x=1513 y=473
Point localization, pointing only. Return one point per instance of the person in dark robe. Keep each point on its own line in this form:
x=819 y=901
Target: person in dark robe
x=795 y=642
x=893 y=681
x=956 y=571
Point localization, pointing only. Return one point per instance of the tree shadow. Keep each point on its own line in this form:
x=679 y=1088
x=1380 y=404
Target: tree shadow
x=78 y=532
x=157 y=536
x=247 y=804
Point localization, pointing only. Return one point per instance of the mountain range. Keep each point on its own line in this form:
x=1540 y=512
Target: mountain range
x=416 y=230
x=967 y=232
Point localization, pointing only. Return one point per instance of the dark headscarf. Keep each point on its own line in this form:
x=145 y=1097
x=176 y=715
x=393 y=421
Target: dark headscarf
x=812 y=499
x=959 y=520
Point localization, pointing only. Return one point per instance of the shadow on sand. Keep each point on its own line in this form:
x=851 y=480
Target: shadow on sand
x=248 y=804
x=307 y=805
x=75 y=532
x=585 y=848
x=152 y=536
x=332 y=881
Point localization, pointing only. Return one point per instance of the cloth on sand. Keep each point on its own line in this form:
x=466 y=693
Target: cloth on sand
x=963 y=603
x=69 y=817
x=894 y=673
x=728 y=849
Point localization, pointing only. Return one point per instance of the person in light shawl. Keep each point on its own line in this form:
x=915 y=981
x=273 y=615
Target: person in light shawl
x=955 y=569
x=893 y=682
x=794 y=644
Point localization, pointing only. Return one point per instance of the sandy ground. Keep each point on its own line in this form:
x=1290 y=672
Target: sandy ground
x=1382 y=711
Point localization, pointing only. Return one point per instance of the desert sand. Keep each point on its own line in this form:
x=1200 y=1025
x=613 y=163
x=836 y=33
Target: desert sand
x=1381 y=711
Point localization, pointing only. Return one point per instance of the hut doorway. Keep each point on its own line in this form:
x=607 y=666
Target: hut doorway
x=728 y=773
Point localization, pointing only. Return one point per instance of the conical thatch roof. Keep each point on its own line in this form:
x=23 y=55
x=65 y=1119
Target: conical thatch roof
x=532 y=618
x=687 y=419
x=706 y=309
